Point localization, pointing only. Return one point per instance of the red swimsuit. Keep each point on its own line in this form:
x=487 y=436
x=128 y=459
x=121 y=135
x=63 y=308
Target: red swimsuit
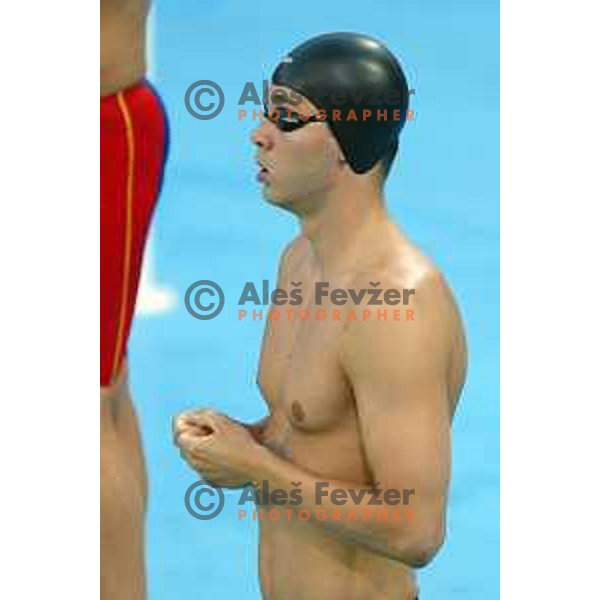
x=133 y=148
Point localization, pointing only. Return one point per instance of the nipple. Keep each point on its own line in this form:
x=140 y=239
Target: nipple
x=297 y=411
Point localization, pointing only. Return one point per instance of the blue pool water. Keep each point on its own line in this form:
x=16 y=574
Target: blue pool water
x=212 y=224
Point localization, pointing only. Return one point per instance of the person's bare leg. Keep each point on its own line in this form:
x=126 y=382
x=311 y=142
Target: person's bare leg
x=129 y=431
x=122 y=499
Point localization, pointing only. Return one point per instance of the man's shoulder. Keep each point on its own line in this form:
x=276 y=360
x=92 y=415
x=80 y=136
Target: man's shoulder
x=412 y=288
x=293 y=252
x=404 y=268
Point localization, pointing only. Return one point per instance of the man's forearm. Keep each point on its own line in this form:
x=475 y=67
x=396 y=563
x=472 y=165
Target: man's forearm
x=399 y=535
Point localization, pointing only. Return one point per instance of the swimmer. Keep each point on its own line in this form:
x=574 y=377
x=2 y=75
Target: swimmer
x=357 y=405
x=133 y=141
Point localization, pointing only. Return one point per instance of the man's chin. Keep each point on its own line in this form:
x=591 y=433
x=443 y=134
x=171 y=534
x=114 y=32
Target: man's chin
x=272 y=197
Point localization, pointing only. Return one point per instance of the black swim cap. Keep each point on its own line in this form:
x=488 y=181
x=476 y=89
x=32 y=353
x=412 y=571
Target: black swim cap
x=351 y=72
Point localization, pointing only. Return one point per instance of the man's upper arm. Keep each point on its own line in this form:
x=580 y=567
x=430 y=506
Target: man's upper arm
x=398 y=374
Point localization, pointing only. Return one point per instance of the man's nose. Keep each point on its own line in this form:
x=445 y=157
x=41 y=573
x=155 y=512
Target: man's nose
x=262 y=137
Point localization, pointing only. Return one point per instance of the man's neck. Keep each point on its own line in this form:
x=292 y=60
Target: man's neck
x=340 y=231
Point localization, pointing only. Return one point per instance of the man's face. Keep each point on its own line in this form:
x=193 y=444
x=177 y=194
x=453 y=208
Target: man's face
x=295 y=166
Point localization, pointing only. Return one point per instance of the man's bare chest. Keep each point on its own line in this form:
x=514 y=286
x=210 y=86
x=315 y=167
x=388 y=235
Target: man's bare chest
x=300 y=374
